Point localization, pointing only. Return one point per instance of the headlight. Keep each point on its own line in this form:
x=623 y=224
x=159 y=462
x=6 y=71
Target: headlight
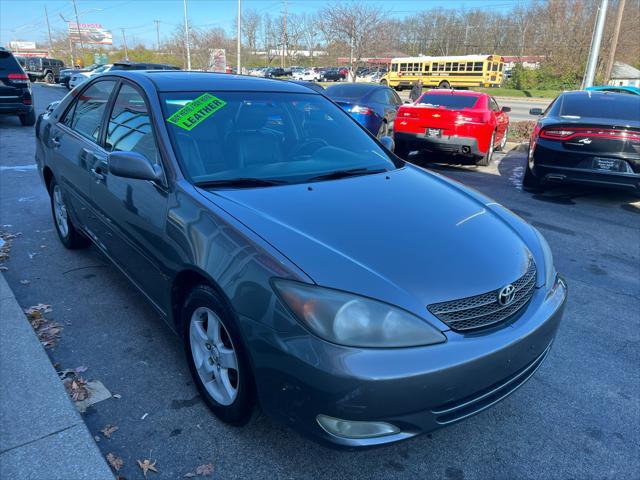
x=549 y=268
x=351 y=320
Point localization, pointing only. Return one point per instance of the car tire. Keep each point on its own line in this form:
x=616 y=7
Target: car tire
x=28 y=119
x=383 y=82
x=486 y=159
x=229 y=392
x=49 y=78
x=68 y=234
x=444 y=85
x=531 y=183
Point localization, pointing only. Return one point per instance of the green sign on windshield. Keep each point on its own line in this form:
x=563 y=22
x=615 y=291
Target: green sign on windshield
x=196 y=111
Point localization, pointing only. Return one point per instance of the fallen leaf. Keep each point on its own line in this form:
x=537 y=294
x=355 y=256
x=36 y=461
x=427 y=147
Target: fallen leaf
x=201 y=471
x=147 y=465
x=24 y=282
x=116 y=395
x=108 y=430
x=115 y=462
x=96 y=438
x=80 y=369
x=76 y=388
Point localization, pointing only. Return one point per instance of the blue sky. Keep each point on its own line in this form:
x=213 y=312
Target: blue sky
x=24 y=19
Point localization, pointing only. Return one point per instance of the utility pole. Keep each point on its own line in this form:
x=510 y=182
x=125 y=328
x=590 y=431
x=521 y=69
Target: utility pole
x=284 y=36
x=239 y=45
x=157 y=22
x=75 y=10
x=186 y=34
x=73 y=63
x=614 y=42
x=126 y=50
x=590 y=73
x=353 y=34
x=46 y=16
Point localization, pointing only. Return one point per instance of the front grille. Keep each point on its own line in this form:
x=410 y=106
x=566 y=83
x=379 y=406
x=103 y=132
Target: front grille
x=483 y=310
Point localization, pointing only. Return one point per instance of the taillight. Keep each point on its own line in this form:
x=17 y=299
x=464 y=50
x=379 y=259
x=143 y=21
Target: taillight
x=26 y=101
x=470 y=117
x=18 y=76
x=408 y=113
x=362 y=110
x=569 y=133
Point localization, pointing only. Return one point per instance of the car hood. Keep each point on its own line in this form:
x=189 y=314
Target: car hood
x=406 y=237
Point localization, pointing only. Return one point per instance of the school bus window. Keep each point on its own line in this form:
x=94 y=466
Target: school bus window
x=469 y=66
x=477 y=66
x=426 y=67
x=495 y=67
x=454 y=67
x=394 y=67
x=447 y=66
x=403 y=67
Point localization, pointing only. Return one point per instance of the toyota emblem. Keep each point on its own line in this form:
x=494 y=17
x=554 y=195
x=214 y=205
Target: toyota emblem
x=506 y=295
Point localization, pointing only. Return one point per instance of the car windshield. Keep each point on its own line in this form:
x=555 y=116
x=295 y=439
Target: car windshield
x=599 y=105
x=279 y=137
x=450 y=102
x=348 y=91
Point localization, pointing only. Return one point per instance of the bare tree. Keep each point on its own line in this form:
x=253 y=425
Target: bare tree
x=251 y=21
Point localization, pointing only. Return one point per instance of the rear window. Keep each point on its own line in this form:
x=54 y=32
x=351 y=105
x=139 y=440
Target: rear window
x=348 y=91
x=451 y=102
x=599 y=105
x=8 y=62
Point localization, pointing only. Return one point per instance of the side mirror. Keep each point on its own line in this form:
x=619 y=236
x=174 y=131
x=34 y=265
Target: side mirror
x=134 y=165
x=506 y=109
x=52 y=106
x=388 y=143
x=535 y=111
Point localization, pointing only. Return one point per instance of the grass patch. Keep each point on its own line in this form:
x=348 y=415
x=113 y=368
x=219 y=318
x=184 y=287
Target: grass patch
x=512 y=92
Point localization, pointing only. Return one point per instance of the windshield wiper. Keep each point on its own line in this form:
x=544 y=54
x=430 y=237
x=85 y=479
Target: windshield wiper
x=352 y=172
x=241 y=182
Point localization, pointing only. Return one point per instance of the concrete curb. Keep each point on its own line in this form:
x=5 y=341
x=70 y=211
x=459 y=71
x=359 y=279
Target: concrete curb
x=42 y=435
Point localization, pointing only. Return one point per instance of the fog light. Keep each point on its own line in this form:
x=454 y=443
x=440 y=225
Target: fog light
x=353 y=429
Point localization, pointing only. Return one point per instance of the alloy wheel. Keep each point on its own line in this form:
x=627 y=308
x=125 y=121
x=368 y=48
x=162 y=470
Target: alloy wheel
x=214 y=356
x=60 y=210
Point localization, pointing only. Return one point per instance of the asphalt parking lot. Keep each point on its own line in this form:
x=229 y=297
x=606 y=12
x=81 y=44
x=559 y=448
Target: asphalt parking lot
x=577 y=418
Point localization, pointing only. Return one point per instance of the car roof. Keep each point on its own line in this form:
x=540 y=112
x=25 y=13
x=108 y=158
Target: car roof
x=467 y=93
x=183 y=81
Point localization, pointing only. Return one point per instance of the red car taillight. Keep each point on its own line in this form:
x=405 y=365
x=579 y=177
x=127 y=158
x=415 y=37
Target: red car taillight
x=27 y=101
x=568 y=133
x=17 y=76
x=471 y=117
x=408 y=114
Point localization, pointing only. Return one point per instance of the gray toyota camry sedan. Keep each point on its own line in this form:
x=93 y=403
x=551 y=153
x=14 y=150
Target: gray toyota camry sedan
x=307 y=269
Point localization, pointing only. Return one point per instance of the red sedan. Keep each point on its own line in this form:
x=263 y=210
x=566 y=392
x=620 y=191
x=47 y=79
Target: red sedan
x=457 y=122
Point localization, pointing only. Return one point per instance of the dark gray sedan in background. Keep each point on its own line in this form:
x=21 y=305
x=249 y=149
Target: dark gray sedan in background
x=308 y=270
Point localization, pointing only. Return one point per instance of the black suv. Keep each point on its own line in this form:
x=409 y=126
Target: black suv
x=15 y=89
x=43 y=69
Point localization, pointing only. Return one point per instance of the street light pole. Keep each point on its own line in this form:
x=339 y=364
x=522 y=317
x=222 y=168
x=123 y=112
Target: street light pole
x=186 y=34
x=157 y=22
x=595 y=45
x=239 y=45
x=46 y=15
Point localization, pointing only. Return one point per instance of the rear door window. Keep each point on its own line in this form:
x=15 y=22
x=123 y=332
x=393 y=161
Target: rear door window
x=8 y=64
x=85 y=115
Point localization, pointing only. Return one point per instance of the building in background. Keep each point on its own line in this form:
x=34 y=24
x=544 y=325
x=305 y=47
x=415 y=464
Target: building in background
x=625 y=75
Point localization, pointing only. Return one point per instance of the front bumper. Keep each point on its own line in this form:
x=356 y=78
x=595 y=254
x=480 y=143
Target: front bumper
x=443 y=144
x=299 y=376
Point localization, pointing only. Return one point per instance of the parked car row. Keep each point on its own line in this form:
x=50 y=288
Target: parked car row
x=82 y=76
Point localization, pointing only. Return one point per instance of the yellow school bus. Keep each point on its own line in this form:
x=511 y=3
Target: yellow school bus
x=445 y=72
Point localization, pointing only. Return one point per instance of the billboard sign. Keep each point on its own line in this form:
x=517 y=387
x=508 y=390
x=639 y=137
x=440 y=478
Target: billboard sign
x=90 y=33
x=13 y=45
x=217 y=60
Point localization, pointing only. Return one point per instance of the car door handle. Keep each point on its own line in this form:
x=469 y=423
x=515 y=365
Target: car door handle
x=55 y=142
x=99 y=177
